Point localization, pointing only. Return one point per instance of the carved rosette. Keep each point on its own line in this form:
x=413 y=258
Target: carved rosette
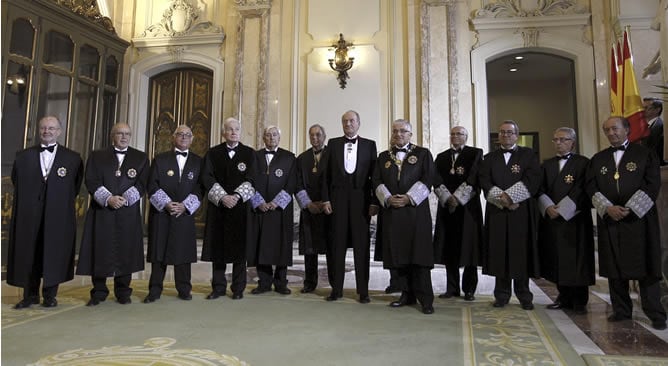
x=89 y=10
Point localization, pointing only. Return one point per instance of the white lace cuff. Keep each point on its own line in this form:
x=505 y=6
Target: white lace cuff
x=600 y=203
x=132 y=196
x=303 y=199
x=101 y=196
x=245 y=190
x=383 y=194
x=282 y=199
x=518 y=192
x=418 y=192
x=192 y=203
x=159 y=199
x=640 y=203
x=216 y=193
x=463 y=193
x=443 y=194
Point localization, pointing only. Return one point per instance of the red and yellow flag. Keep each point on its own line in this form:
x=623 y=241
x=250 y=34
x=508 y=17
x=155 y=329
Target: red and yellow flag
x=624 y=87
x=615 y=80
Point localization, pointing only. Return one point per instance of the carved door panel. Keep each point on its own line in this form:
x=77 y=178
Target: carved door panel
x=181 y=96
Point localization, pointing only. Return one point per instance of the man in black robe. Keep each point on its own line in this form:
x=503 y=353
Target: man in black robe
x=271 y=221
x=458 y=233
x=623 y=182
x=566 y=237
x=227 y=180
x=113 y=240
x=175 y=195
x=42 y=234
x=349 y=198
x=313 y=223
x=654 y=142
x=402 y=180
x=510 y=177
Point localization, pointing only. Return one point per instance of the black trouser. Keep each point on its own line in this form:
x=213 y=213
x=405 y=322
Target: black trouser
x=573 y=296
x=269 y=276
x=336 y=267
x=219 y=281
x=469 y=279
x=650 y=298
x=310 y=270
x=122 y=288
x=31 y=290
x=415 y=282
x=502 y=287
x=182 y=274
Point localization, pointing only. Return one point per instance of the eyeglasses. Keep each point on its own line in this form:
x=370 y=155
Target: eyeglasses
x=184 y=134
x=561 y=139
x=458 y=134
x=401 y=131
x=506 y=132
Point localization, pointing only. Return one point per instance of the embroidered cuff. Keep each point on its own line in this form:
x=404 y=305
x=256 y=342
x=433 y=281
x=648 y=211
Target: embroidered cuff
x=493 y=196
x=257 y=200
x=518 y=192
x=640 y=203
x=600 y=203
x=463 y=193
x=192 y=203
x=282 y=199
x=567 y=208
x=101 y=196
x=216 y=193
x=245 y=190
x=383 y=194
x=303 y=199
x=443 y=194
x=159 y=199
x=418 y=192
x=544 y=201
x=132 y=196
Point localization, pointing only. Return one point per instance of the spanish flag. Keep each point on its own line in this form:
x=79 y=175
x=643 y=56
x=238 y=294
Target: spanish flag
x=624 y=94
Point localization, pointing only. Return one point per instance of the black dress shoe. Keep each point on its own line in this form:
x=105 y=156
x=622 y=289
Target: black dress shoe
x=214 y=295
x=659 y=324
x=50 y=302
x=527 y=306
x=259 y=290
x=333 y=296
x=618 y=317
x=447 y=295
x=427 y=309
x=149 y=299
x=283 y=290
x=499 y=303
x=237 y=296
x=93 y=302
x=469 y=296
x=186 y=297
x=124 y=300
x=391 y=290
x=364 y=299
x=307 y=289
x=555 y=306
x=26 y=303
x=403 y=300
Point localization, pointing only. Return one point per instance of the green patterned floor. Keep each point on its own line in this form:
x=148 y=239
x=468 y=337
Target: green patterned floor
x=272 y=329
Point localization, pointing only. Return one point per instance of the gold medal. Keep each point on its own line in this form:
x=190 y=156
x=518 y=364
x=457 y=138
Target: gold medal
x=616 y=176
x=118 y=173
x=452 y=171
x=314 y=170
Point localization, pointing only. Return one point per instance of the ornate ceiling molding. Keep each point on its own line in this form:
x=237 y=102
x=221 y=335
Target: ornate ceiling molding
x=89 y=10
x=252 y=5
x=513 y=8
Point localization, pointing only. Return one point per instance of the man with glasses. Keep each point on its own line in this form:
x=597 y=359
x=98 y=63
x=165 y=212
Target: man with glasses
x=113 y=240
x=175 y=195
x=566 y=231
x=510 y=177
x=458 y=233
x=654 y=142
x=227 y=179
x=623 y=182
x=42 y=233
x=402 y=182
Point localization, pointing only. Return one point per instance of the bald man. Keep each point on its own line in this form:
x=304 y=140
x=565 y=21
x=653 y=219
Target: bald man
x=112 y=243
x=175 y=196
x=42 y=234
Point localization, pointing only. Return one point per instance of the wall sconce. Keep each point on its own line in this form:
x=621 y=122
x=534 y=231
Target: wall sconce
x=16 y=82
x=341 y=63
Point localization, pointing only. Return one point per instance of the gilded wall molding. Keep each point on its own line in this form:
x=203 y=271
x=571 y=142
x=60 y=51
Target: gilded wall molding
x=180 y=19
x=89 y=10
x=513 y=8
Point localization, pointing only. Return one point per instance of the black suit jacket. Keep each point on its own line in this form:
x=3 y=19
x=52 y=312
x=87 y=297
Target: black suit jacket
x=336 y=176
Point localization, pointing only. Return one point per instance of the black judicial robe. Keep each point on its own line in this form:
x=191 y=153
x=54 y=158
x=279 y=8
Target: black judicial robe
x=630 y=248
x=113 y=241
x=510 y=237
x=567 y=247
x=313 y=235
x=172 y=239
x=271 y=233
x=225 y=231
x=458 y=234
x=52 y=201
x=404 y=234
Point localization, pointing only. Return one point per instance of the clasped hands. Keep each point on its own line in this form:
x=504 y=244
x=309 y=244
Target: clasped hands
x=267 y=206
x=617 y=213
x=116 y=202
x=507 y=202
x=175 y=208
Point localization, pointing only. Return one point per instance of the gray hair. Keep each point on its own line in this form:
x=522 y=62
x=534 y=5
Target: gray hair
x=569 y=131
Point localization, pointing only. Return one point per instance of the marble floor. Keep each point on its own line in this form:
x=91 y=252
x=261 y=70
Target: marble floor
x=590 y=333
